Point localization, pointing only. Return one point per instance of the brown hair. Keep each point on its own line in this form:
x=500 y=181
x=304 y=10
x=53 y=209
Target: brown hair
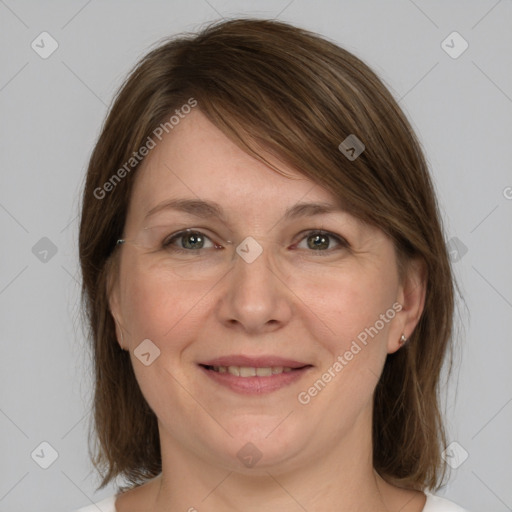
x=275 y=88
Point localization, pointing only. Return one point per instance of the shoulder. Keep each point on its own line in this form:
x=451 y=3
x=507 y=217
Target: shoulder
x=106 y=505
x=438 y=504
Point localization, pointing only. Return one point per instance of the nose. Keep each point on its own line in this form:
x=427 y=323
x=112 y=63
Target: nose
x=255 y=298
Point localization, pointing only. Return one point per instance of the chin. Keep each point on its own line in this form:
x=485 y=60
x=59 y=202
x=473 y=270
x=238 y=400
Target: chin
x=265 y=445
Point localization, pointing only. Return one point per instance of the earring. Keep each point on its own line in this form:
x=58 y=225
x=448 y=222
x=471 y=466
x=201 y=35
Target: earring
x=402 y=340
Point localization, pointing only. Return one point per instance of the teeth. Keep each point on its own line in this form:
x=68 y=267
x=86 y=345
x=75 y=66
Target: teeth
x=234 y=370
x=246 y=371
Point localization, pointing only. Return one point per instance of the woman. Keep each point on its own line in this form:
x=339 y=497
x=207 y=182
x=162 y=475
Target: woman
x=267 y=285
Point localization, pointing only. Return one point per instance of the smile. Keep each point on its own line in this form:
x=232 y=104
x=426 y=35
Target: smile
x=247 y=371
x=254 y=380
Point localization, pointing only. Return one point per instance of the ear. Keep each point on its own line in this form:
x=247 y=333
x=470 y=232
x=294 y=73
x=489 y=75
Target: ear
x=113 y=297
x=411 y=297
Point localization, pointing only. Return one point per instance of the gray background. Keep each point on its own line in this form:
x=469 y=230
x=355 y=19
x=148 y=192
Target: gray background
x=51 y=113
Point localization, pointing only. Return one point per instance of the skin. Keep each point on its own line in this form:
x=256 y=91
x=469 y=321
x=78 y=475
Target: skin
x=290 y=302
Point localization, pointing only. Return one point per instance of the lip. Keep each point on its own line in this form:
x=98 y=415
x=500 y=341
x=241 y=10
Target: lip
x=254 y=362
x=255 y=385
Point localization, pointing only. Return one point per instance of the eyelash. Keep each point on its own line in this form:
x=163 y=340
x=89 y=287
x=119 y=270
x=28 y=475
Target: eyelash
x=167 y=243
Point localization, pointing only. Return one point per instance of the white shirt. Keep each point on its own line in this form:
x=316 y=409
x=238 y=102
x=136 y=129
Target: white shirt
x=433 y=504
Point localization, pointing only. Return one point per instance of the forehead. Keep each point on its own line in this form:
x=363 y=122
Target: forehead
x=197 y=161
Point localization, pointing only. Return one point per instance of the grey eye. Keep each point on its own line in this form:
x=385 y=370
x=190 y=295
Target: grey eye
x=190 y=241
x=321 y=241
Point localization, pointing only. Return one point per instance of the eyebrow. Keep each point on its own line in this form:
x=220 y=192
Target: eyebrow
x=205 y=209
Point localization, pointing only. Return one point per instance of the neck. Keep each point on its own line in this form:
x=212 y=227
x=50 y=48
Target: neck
x=341 y=479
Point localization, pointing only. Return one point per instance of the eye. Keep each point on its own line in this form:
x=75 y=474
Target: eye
x=190 y=241
x=320 y=241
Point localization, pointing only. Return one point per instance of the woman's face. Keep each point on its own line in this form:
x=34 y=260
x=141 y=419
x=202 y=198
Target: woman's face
x=260 y=287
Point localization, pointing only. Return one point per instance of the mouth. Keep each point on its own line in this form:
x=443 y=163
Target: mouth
x=251 y=371
x=254 y=375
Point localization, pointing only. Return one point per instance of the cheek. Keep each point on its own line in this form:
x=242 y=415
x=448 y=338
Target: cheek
x=162 y=310
x=158 y=305
x=354 y=350
x=353 y=303
x=357 y=306
x=365 y=312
